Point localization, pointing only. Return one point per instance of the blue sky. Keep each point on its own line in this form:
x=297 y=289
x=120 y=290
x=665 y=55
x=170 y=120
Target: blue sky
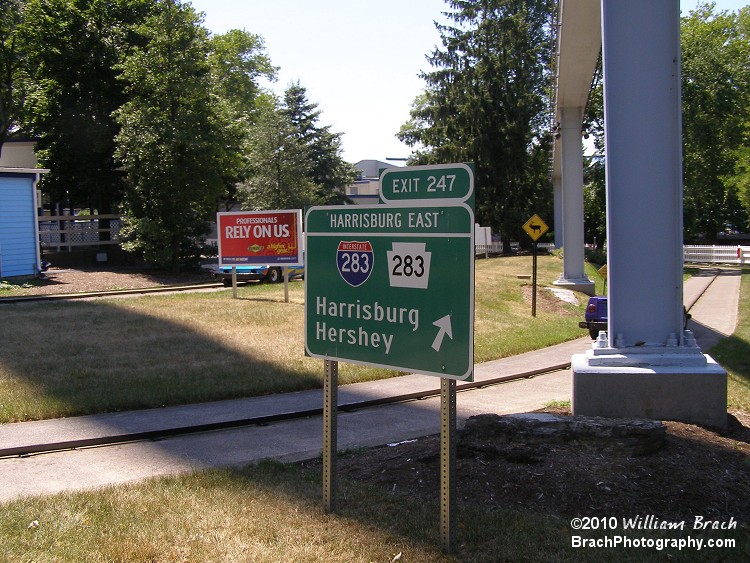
x=358 y=59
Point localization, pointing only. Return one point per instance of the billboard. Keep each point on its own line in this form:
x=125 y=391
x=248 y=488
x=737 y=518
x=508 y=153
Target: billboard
x=271 y=238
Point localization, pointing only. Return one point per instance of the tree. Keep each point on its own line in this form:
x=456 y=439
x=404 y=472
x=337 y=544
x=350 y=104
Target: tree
x=237 y=60
x=716 y=117
x=173 y=137
x=329 y=172
x=487 y=102
x=279 y=165
x=72 y=48
x=594 y=188
x=11 y=67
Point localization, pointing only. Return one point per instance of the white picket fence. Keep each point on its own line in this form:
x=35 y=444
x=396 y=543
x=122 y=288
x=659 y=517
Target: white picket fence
x=693 y=253
x=716 y=254
x=497 y=247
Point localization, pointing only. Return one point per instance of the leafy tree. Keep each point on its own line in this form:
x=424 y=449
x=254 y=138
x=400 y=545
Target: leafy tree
x=173 y=136
x=716 y=116
x=279 y=165
x=328 y=172
x=594 y=189
x=237 y=60
x=72 y=48
x=11 y=65
x=486 y=101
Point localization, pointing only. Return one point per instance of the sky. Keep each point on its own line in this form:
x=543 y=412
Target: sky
x=359 y=60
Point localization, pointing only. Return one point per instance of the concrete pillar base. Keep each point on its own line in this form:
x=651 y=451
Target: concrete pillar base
x=674 y=383
x=584 y=284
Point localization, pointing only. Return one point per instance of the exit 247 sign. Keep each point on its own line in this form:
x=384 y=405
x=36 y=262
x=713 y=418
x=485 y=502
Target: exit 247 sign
x=392 y=286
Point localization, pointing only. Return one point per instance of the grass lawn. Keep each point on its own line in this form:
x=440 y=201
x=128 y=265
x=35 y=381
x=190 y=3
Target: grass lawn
x=84 y=357
x=273 y=512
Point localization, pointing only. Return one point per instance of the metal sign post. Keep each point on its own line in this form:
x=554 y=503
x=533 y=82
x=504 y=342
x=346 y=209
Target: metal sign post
x=535 y=228
x=285 y=274
x=330 y=411
x=533 y=282
x=448 y=464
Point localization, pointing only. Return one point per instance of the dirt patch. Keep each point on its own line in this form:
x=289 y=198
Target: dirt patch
x=697 y=471
x=59 y=281
x=547 y=302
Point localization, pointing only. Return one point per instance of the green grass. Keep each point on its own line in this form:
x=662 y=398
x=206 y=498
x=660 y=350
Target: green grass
x=83 y=357
x=273 y=512
x=733 y=353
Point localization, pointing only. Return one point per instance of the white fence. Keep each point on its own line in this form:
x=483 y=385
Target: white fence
x=65 y=232
x=497 y=247
x=716 y=254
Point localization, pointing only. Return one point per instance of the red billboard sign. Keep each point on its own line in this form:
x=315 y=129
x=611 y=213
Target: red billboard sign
x=272 y=238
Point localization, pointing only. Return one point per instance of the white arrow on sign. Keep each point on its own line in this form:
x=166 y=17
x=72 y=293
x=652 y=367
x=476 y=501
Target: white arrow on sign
x=444 y=324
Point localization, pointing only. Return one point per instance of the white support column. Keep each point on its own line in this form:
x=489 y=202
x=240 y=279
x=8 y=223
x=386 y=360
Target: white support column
x=557 y=198
x=641 y=53
x=573 y=275
x=647 y=367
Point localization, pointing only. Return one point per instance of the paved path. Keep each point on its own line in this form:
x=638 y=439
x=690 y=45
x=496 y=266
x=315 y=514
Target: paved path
x=302 y=439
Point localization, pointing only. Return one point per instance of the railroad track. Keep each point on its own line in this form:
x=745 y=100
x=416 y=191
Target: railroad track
x=110 y=293
x=156 y=434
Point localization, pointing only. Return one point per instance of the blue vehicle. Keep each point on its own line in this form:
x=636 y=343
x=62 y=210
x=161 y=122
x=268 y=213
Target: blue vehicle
x=596 y=316
x=265 y=274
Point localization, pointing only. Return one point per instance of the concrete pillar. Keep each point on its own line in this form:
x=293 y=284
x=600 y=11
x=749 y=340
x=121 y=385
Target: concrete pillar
x=647 y=366
x=557 y=199
x=573 y=276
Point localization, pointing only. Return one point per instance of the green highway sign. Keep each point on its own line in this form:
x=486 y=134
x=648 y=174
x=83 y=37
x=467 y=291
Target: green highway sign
x=392 y=286
x=446 y=184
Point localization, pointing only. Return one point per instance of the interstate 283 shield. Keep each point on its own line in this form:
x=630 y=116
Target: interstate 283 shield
x=354 y=261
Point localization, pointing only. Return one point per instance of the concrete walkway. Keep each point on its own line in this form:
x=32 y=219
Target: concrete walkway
x=299 y=439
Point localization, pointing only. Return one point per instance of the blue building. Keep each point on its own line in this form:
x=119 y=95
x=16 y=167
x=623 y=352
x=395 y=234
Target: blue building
x=19 y=232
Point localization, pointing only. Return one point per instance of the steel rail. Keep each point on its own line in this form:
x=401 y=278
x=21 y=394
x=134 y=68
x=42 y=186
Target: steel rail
x=113 y=439
x=36 y=449
x=110 y=293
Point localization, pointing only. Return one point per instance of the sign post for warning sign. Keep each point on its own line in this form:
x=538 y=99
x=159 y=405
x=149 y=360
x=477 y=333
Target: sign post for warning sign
x=393 y=286
x=535 y=228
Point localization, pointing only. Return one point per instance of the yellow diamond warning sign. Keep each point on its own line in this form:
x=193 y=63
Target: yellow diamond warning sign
x=535 y=227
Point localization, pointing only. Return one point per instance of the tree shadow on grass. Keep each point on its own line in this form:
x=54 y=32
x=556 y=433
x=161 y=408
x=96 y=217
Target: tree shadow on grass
x=733 y=354
x=91 y=357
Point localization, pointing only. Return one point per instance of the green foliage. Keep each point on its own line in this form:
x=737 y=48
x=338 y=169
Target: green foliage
x=11 y=67
x=237 y=60
x=293 y=162
x=278 y=165
x=594 y=202
x=486 y=102
x=716 y=117
x=172 y=137
x=72 y=47
x=329 y=172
